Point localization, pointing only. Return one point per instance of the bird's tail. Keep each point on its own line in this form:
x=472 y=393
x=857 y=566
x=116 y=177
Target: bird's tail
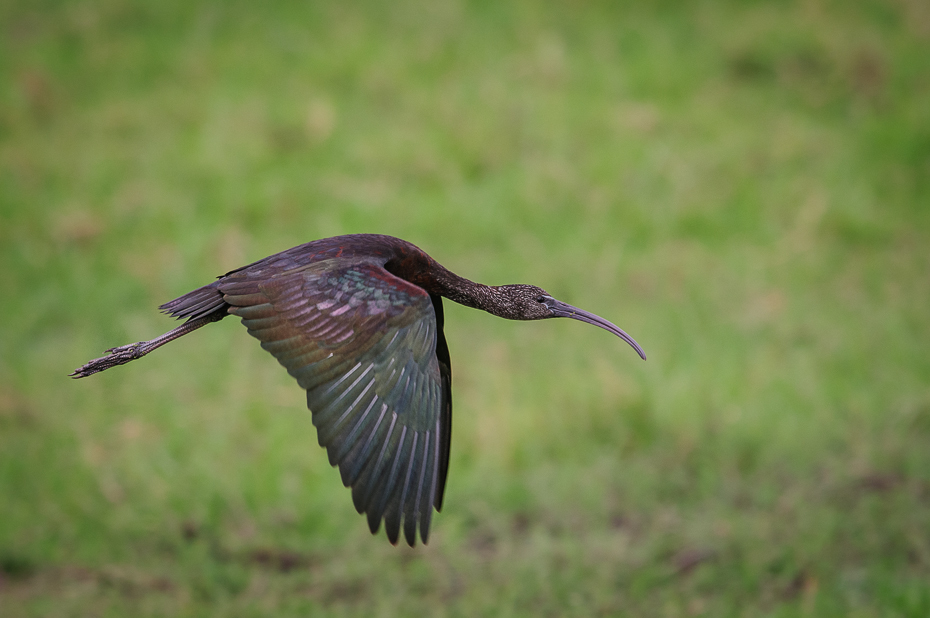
x=197 y=304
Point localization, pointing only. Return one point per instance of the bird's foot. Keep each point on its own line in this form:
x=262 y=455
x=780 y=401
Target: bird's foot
x=115 y=356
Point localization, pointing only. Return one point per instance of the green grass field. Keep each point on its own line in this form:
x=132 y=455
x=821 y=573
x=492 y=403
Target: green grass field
x=742 y=186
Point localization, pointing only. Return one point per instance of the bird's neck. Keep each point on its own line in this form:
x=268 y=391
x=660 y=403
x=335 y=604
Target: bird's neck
x=420 y=269
x=461 y=290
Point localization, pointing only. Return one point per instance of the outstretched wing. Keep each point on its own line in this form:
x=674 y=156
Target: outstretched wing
x=363 y=343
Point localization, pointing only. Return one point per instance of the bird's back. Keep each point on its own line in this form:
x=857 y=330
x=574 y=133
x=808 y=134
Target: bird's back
x=351 y=248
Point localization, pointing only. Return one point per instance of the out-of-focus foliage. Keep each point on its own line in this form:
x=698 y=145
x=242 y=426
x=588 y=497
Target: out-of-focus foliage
x=743 y=186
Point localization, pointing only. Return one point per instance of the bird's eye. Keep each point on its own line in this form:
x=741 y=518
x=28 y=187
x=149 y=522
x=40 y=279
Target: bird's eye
x=540 y=299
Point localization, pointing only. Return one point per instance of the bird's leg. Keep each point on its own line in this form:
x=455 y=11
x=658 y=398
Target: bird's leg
x=125 y=353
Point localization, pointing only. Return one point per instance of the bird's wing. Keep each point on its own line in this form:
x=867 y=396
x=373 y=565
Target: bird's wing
x=363 y=343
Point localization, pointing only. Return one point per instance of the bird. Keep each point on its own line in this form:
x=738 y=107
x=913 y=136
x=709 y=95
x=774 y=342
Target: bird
x=358 y=321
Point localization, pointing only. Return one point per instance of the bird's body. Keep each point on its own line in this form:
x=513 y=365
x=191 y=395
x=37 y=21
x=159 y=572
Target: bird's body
x=358 y=321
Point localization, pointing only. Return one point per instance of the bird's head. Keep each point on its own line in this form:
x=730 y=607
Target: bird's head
x=528 y=302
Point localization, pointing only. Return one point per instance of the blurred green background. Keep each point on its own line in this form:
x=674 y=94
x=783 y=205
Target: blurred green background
x=743 y=186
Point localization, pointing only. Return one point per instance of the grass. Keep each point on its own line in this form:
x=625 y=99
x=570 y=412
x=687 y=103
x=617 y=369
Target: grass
x=743 y=186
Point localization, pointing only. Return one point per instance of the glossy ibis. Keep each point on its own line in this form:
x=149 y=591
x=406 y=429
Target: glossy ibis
x=358 y=321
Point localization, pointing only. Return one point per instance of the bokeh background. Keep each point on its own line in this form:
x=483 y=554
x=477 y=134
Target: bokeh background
x=743 y=186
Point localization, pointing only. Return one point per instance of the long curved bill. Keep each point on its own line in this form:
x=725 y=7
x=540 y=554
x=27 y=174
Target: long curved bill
x=564 y=310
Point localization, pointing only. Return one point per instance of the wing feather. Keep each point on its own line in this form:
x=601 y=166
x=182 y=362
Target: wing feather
x=352 y=438
x=362 y=452
x=389 y=501
x=252 y=312
x=368 y=349
x=363 y=492
x=423 y=477
x=407 y=507
x=335 y=407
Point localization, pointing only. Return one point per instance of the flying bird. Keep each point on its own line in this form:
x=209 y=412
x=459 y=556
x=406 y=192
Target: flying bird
x=358 y=321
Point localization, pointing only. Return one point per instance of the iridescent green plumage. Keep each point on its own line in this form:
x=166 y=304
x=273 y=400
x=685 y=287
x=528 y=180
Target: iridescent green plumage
x=362 y=344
